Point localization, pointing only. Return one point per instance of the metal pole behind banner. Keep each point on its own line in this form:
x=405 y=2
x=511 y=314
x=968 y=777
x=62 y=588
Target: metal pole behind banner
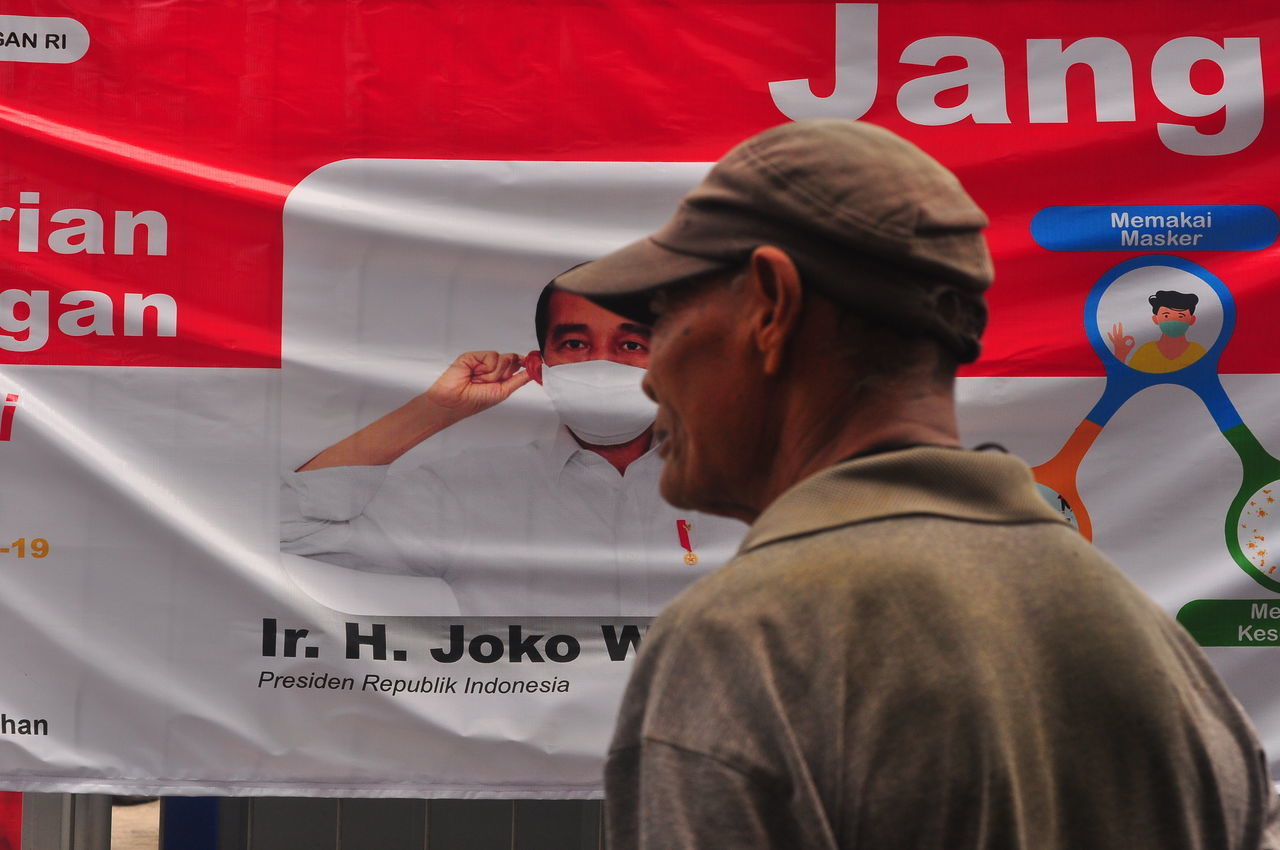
x=66 y=822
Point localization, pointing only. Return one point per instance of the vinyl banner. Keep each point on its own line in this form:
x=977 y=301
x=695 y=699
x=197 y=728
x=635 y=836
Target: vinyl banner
x=310 y=486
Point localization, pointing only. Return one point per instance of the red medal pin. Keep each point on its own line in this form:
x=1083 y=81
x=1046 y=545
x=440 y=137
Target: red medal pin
x=683 y=527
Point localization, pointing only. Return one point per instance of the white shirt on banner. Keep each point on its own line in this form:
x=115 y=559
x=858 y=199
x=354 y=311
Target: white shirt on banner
x=543 y=529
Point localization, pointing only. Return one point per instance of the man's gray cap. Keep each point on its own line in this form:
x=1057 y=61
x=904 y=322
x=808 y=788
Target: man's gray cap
x=869 y=219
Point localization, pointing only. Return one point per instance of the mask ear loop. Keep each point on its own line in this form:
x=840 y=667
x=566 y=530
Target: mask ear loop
x=1057 y=477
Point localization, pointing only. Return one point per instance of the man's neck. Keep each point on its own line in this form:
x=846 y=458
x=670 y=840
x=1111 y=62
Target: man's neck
x=816 y=438
x=622 y=455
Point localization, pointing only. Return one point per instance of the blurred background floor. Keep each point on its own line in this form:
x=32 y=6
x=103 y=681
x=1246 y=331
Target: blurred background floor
x=136 y=827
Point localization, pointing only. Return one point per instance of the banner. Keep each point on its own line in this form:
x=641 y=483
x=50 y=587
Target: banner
x=307 y=488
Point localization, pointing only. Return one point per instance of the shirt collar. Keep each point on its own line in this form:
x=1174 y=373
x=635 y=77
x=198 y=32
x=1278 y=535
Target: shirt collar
x=930 y=481
x=563 y=448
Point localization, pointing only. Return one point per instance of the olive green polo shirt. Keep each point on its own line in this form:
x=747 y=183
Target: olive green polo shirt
x=913 y=652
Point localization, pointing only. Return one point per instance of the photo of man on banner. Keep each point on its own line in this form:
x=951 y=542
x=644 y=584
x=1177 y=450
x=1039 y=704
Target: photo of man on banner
x=571 y=525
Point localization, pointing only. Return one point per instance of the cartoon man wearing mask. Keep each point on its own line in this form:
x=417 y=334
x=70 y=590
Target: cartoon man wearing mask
x=1174 y=314
x=566 y=526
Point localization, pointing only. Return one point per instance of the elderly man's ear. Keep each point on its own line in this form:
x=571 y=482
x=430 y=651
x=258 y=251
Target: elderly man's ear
x=775 y=297
x=533 y=365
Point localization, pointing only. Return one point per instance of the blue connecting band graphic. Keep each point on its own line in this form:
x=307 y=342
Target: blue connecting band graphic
x=1201 y=377
x=1250 y=518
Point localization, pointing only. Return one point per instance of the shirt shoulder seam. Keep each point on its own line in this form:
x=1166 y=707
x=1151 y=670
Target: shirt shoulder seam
x=791 y=536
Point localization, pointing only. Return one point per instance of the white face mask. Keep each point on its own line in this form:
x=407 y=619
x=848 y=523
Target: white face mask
x=600 y=401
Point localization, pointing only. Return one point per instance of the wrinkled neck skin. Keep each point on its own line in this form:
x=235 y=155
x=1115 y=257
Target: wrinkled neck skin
x=816 y=432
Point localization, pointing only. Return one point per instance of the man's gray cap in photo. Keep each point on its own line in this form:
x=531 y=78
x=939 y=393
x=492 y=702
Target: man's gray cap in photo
x=870 y=220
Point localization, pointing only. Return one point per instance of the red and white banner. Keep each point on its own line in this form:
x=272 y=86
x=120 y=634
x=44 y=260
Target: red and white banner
x=234 y=235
